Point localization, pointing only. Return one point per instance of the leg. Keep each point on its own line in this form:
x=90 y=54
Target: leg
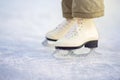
x=85 y=33
x=67 y=8
x=87 y=8
x=55 y=34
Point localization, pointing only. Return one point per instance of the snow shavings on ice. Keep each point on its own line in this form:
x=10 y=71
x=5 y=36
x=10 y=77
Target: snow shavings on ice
x=22 y=61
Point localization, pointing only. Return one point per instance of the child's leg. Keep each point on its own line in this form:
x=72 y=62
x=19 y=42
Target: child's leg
x=88 y=8
x=62 y=29
x=67 y=8
x=83 y=32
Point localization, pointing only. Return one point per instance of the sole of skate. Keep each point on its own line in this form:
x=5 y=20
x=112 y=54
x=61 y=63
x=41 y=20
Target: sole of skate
x=90 y=44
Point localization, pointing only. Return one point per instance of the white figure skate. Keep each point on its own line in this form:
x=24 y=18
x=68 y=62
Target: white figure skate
x=83 y=33
x=58 y=32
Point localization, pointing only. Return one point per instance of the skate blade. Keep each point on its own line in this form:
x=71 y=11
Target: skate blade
x=84 y=53
x=47 y=43
x=70 y=54
x=82 y=50
x=64 y=54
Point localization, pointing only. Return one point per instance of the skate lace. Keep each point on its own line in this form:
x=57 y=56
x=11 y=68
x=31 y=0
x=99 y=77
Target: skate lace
x=61 y=26
x=75 y=30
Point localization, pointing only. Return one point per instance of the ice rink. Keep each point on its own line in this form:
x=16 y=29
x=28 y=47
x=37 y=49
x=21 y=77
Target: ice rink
x=23 y=24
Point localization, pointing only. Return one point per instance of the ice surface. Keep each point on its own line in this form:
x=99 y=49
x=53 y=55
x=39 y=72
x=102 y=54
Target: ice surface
x=23 y=24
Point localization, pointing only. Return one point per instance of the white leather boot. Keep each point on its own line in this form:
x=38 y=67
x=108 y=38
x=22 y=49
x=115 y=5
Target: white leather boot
x=83 y=33
x=58 y=32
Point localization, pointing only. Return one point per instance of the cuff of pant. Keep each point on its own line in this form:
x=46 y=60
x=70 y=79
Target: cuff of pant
x=89 y=15
x=67 y=15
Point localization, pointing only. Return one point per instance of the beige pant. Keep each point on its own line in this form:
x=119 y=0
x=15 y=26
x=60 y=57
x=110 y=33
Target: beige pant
x=83 y=8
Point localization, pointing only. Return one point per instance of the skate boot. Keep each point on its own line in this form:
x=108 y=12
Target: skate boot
x=83 y=33
x=58 y=32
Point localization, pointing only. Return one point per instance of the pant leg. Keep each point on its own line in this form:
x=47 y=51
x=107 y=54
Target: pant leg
x=67 y=8
x=88 y=8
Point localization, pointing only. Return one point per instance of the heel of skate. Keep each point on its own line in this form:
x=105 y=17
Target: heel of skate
x=92 y=44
